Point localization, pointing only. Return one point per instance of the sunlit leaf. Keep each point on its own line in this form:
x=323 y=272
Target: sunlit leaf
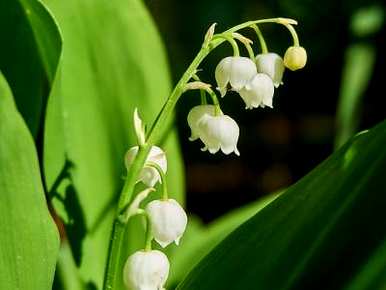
x=112 y=62
x=29 y=240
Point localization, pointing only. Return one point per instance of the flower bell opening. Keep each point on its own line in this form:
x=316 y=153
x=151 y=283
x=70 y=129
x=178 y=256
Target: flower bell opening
x=234 y=71
x=168 y=221
x=146 y=270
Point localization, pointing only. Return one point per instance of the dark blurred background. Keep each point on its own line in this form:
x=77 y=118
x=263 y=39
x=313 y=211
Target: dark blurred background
x=278 y=146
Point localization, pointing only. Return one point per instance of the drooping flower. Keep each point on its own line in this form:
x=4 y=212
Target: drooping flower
x=272 y=65
x=295 y=57
x=146 y=270
x=149 y=175
x=168 y=221
x=216 y=131
x=194 y=117
x=235 y=71
x=258 y=92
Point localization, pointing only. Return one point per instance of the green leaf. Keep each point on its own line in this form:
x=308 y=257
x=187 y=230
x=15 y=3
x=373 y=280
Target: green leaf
x=199 y=240
x=29 y=54
x=29 y=240
x=372 y=273
x=112 y=62
x=358 y=67
x=357 y=71
x=316 y=235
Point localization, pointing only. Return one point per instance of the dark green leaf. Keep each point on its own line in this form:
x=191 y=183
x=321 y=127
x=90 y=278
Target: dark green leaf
x=316 y=235
x=372 y=274
x=29 y=53
x=199 y=240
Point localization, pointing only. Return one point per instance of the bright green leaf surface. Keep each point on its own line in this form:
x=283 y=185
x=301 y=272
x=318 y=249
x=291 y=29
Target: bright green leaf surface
x=316 y=235
x=199 y=240
x=112 y=62
x=29 y=240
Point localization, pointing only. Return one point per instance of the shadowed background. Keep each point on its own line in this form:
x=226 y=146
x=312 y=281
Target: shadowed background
x=280 y=145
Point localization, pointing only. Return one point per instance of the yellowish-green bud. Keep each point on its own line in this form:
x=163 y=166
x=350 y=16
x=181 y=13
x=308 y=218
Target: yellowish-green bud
x=295 y=58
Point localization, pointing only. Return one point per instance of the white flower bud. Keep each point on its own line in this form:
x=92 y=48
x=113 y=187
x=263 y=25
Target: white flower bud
x=258 y=92
x=295 y=57
x=149 y=175
x=168 y=221
x=272 y=65
x=146 y=270
x=234 y=70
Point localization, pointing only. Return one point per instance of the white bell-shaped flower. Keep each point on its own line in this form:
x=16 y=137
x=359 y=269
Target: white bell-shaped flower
x=219 y=132
x=215 y=131
x=168 y=221
x=194 y=117
x=272 y=65
x=149 y=175
x=236 y=71
x=146 y=270
x=258 y=92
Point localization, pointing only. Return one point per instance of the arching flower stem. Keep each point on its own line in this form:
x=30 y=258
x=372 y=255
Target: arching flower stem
x=163 y=179
x=157 y=131
x=263 y=44
x=293 y=34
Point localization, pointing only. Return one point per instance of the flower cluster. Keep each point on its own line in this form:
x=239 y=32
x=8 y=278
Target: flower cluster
x=255 y=80
x=148 y=269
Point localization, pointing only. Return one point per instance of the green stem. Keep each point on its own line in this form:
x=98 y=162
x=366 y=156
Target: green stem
x=231 y=41
x=203 y=97
x=293 y=34
x=113 y=273
x=163 y=179
x=202 y=92
x=263 y=44
x=149 y=234
x=251 y=54
x=116 y=241
x=114 y=256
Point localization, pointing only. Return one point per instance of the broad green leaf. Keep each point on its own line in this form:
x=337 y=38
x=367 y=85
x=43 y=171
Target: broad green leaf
x=199 y=240
x=29 y=53
x=316 y=235
x=112 y=62
x=29 y=240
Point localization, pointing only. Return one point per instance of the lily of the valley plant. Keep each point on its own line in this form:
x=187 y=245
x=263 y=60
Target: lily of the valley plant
x=255 y=79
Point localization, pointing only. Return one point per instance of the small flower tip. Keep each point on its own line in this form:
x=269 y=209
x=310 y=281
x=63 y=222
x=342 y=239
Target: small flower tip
x=209 y=33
